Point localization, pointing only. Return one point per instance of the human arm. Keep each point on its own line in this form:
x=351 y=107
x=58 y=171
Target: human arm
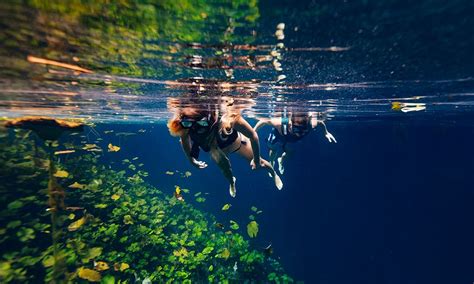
x=186 y=144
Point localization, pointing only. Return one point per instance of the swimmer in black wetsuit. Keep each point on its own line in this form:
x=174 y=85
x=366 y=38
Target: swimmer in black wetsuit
x=219 y=135
x=288 y=129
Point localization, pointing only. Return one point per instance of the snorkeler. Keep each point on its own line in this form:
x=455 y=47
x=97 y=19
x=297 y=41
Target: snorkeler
x=290 y=128
x=219 y=134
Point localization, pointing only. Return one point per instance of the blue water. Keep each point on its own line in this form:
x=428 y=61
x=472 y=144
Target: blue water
x=390 y=202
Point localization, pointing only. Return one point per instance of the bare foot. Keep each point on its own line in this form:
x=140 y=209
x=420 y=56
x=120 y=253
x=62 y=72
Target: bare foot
x=232 y=189
x=278 y=182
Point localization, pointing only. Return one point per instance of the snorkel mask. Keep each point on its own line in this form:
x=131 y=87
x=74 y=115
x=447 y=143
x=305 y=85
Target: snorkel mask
x=200 y=125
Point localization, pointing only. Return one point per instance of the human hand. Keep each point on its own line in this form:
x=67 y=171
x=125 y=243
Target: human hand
x=257 y=165
x=330 y=137
x=198 y=164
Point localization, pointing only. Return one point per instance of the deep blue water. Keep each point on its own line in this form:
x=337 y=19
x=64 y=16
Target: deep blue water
x=391 y=202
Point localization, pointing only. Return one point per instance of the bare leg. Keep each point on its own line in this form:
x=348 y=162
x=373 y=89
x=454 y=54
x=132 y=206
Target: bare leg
x=246 y=152
x=223 y=162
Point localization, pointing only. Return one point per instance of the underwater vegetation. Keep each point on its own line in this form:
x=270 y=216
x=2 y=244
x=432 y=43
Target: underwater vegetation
x=110 y=226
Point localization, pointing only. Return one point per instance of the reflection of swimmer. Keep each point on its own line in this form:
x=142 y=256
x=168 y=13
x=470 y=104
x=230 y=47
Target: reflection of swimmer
x=289 y=129
x=219 y=133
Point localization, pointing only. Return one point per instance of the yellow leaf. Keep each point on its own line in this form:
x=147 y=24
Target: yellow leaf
x=124 y=266
x=61 y=174
x=225 y=253
x=181 y=252
x=226 y=207
x=64 y=152
x=77 y=224
x=113 y=148
x=71 y=216
x=396 y=105
x=252 y=229
x=89 y=274
x=177 y=189
x=115 y=197
x=101 y=266
x=77 y=185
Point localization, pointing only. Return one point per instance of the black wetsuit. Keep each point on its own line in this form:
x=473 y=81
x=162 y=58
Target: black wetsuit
x=203 y=140
x=276 y=137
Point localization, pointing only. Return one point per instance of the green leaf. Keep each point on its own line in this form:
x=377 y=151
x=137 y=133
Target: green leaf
x=200 y=199
x=207 y=250
x=252 y=229
x=234 y=225
x=226 y=207
x=254 y=209
x=13 y=224
x=48 y=261
x=108 y=279
x=15 y=205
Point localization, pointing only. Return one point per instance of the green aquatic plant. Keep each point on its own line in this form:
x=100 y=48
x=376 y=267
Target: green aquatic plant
x=143 y=234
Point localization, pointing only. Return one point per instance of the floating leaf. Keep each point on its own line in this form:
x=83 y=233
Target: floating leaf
x=226 y=207
x=259 y=212
x=115 y=197
x=25 y=234
x=234 y=225
x=251 y=217
x=71 y=216
x=254 y=209
x=15 y=205
x=207 y=250
x=13 y=224
x=211 y=268
x=95 y=252
x=124 y=266
x=169 y=173
x=101 y=265
x=252 y=229
x=127 y=220
x=187 y=174
x=77 y=224
x=64 y=152
x=225 y=253
x=197 y=194
x=200 y=199
x=48 y=261
x=177 y=193
x=181 y=252
x=61 y=174
x=108 y=279
x=113 y=148
x=77 y=185
x=101 y=205
x=89 y=274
